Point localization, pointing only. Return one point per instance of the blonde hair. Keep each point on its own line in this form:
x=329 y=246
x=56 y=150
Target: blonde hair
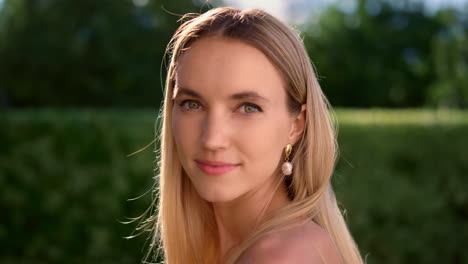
x=183 y=222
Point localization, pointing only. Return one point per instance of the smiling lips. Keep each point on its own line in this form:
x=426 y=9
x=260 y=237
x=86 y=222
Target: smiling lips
x=215 y=167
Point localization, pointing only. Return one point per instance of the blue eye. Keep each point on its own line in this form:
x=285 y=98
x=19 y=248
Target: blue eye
x=250 y=108
x=190 y=105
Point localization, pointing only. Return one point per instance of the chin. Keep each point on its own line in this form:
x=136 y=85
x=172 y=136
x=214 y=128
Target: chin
x=216 y=195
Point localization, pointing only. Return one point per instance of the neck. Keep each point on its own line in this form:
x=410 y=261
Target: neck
x=236 y=219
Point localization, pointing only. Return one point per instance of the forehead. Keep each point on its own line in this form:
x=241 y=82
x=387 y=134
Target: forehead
x=221 y=66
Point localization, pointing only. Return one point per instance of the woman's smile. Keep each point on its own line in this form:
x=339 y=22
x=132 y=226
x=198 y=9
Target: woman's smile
x=215 y=167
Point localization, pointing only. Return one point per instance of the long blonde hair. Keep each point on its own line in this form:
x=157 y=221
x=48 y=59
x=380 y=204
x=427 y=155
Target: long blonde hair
x=182 y=222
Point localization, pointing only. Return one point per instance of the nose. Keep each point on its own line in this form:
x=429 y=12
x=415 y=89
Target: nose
x=214 y=135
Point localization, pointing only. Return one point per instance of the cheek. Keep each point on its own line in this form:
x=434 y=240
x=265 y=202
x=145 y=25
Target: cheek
x=263 y=141
x=268 y=130
x=185 y=133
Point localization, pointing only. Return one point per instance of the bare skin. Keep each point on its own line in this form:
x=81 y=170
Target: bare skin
x=214 y=120
x=236 y=219
x=305 y=244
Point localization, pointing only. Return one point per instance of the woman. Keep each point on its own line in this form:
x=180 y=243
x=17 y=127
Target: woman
x=247 y=148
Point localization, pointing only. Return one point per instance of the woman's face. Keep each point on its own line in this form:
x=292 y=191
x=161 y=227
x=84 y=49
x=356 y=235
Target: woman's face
x=229 y=119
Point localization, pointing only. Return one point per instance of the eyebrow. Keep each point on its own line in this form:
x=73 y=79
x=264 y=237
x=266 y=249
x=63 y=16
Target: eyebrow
x=250 y=95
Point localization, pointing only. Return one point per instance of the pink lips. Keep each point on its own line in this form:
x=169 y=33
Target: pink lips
x=215 y=167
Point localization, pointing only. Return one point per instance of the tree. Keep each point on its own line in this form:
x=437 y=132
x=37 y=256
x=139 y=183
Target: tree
x=85 y=53
x=380 y=55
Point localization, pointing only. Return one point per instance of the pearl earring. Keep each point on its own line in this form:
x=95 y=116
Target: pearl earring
x=287 y=166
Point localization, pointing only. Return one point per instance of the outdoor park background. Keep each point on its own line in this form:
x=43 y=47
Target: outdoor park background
x=81 y=85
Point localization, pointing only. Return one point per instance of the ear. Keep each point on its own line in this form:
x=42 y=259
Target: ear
x=298 y=125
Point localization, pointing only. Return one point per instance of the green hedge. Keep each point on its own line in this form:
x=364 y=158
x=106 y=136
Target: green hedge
x=402 y=177
x=65 y=179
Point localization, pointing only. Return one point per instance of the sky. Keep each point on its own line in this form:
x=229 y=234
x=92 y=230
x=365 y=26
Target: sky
x=279 y=8
x=274 y=7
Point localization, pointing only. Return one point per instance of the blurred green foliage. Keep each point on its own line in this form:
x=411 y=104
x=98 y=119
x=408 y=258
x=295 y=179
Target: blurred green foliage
x=110 y=53
x=385 y=54
x=404 y=185
x=85 y=53
x=65 y=178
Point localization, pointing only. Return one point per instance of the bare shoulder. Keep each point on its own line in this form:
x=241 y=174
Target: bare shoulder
x=308 y=243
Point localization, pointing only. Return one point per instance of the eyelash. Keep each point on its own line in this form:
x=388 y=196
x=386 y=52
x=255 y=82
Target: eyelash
x=259 y=109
